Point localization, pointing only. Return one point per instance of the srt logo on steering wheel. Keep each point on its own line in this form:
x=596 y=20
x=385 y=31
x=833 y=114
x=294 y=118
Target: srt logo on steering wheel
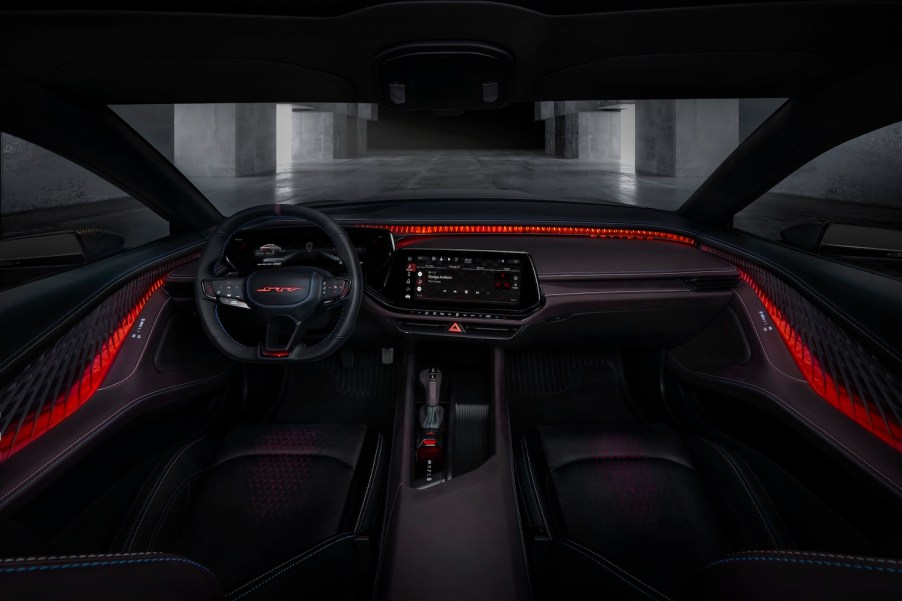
x=278 y=289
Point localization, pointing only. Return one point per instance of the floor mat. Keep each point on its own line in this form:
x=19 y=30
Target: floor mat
x=329 y=392
x=566 y=386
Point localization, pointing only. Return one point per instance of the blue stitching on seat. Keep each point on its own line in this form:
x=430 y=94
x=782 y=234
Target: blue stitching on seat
x=817 y=562
x=93 y=564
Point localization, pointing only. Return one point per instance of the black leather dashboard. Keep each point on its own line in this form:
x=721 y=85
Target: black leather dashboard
x=607 y=290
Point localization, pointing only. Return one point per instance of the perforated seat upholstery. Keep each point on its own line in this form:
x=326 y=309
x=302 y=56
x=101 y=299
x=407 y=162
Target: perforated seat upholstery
x=269 y=511
x=640 y=512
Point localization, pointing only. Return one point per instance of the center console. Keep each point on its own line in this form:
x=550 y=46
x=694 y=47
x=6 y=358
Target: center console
x=451 y=471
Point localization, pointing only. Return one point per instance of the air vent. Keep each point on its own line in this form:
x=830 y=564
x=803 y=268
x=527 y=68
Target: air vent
x=493 y=331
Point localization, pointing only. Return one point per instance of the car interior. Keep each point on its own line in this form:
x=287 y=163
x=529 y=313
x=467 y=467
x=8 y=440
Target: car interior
x=452 y=395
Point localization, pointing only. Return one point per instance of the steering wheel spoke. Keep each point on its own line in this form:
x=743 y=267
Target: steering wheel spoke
x=282 y=334
x=231 y=292
x=334 y=291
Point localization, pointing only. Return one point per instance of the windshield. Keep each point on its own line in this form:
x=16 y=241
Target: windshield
x=649 y=153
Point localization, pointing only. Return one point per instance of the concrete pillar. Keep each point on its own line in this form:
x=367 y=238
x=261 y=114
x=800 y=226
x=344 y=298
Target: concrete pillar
x=283 y=134
x=584 y=129
x=544 y=111
x=330 y=130
x=312 y=135
x=225 y=139
x=560 y=136
x=685 y=138
x=357 y=138
x=549 y=136
x=155 y=123
x=628 y=135
x=598 y=136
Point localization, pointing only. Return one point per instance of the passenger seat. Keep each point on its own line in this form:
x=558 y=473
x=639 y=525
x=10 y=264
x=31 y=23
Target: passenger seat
x=640 y=512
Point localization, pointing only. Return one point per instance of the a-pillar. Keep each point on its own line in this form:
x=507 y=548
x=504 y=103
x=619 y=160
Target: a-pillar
x=155 y=123
x=225 y=139
x=685 y=138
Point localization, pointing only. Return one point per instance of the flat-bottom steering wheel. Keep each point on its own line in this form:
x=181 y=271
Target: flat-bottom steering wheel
x=285 y=298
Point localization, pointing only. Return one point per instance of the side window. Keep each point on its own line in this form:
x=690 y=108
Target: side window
x=55 y=215
x=845 y=204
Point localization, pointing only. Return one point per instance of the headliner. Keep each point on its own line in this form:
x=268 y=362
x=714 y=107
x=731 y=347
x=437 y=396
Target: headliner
x=200 y=51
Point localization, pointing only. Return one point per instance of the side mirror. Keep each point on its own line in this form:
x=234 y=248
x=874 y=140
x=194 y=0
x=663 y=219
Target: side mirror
x=843 y=239
x=26 y=258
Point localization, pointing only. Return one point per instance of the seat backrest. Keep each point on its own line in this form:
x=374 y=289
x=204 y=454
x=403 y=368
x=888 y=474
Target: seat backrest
x=133 y=576
x=800 y=575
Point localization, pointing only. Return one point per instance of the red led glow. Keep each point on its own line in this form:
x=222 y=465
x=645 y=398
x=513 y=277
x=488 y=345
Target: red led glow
x=51 y=414
x=529 y=230
x=275 y=353
x=884 y=427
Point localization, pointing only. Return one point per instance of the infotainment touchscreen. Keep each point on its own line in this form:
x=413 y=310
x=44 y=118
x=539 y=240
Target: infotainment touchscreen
x=463 y=278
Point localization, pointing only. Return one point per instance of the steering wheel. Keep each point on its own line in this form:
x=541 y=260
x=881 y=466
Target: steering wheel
x=285 y=298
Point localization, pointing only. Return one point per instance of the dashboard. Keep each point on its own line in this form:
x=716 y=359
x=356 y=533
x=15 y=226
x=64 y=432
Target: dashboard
x=548 y=285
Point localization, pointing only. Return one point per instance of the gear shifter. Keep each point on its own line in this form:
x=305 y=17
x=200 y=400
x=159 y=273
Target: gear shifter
x=431 y=414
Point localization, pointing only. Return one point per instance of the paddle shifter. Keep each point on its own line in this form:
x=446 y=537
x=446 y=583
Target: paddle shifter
x=429 y=466
x=431 y=414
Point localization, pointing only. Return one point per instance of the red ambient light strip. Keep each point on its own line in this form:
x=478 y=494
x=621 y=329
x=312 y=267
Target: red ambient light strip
x=884 y=427
x=534 y=230
x=51 y=414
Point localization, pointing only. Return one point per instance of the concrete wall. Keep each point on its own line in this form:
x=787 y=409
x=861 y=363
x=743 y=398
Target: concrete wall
x=155 y=123
x=34 y=178
x=707 y=131
x=255 y=138
x=685 y=138
x=205 y=139
x=225 y=139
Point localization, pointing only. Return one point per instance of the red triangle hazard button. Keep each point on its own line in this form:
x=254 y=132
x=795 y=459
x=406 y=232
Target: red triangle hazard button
x=455 y=328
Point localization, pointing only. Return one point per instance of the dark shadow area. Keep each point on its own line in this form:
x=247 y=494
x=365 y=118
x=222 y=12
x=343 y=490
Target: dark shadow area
x=513 y=127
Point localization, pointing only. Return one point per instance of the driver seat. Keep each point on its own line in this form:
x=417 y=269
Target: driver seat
x=270 y=511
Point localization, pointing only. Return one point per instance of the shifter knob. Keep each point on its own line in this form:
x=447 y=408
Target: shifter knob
x=431 y=414
x=431 y=379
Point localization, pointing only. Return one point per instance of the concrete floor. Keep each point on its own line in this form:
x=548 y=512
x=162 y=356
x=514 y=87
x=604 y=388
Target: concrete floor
x=392 y=171
x=401 y=171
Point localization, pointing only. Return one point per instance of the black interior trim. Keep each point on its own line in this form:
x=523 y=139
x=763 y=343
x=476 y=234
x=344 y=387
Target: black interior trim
x=93 y=136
